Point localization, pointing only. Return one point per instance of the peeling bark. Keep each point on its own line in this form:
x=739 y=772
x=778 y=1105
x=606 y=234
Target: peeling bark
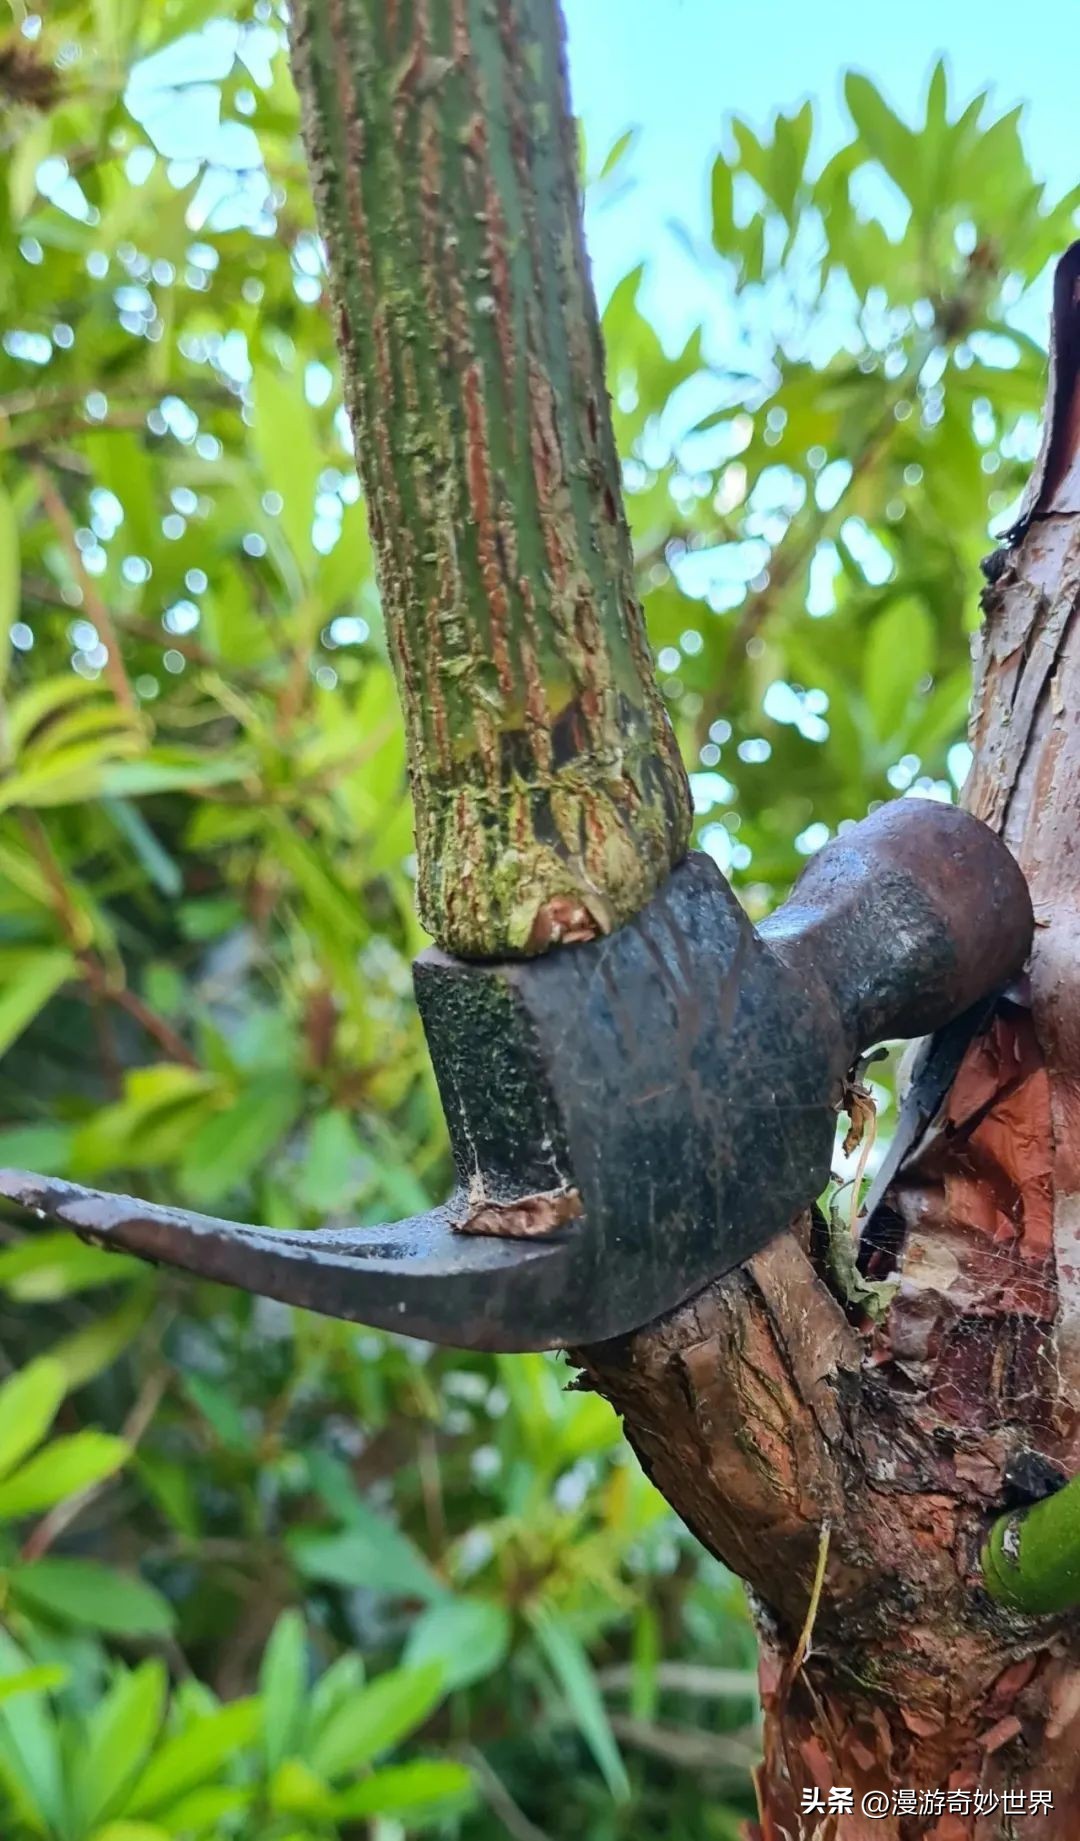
x=529 y=1217
x=550 y=798
x=763 y=1413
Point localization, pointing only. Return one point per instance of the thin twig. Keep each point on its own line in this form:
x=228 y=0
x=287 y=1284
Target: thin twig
x=40 y=446
x=187 y=648
x=108 y=1056
x=98 y=986
x=687 y=1678
x=155 y=1026
x=689 y=1748
x=72 y=923
x=44 y=594
x=499 y=1800
x=39 y=402
x=427 y=1458
x=802 y=1647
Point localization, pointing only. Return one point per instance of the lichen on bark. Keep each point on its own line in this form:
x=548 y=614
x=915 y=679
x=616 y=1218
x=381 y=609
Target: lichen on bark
x=550 y=798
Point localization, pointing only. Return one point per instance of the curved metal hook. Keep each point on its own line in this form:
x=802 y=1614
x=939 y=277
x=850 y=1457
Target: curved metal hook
x=419 y=1276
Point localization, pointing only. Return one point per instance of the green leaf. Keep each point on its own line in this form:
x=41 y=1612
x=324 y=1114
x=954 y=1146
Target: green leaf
x=723 y=206
x=937 y=95
x=994 y=173
x=618 y=150
x=282 y=1686
x=121 y=1735
x=28 y=978
x=31 y=147
x=194 y=1755
x=10 y=584
x=899 y=653
x=378 y=1717
x=332 y=906
x=162 y=869
x=791 y=145
x=888 y=140
x=334 y=1163
x=289 y=453
x=34 y=1680
x=232 y=1144
x=65 y=1467
x=94 y=1347
x=173 y=1488
x=169 y=771
x=74 y=776
x=644 y=1691
x=207 y=1811
x=295 y=1790
x=219 y=1406
x=372 y=1554
x=44 y=1267
x=468 y=1636
x=39 y=703
x=123 y=466
x=349 y=566
x=573 y=1671
x=101 y=721
x=753 y=153
x=426 y=1788
x=29 y=1746
x=29 y=1401
x=95 y=1596
x=46 y=1148
x=153 y=1123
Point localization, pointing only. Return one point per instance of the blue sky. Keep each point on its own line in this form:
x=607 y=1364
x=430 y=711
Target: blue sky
x=676 y=68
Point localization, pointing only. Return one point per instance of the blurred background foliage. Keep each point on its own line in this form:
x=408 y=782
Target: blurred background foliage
x=264 y=1576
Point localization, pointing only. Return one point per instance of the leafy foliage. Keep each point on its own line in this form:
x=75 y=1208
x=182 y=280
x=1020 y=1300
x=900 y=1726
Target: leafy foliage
x=393 y=1587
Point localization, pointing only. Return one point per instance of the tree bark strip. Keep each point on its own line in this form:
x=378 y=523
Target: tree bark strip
x=550 y=798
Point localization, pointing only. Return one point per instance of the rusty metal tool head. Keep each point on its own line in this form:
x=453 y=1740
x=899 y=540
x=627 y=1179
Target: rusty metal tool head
x=632 y=1117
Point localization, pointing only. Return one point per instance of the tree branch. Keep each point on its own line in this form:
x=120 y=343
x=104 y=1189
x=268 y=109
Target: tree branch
x=550 y=798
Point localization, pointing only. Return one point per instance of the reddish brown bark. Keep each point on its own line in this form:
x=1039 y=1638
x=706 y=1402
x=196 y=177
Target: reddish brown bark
x=765 y=1415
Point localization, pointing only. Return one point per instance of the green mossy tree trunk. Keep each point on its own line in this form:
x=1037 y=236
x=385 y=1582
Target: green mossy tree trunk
x=550 y=798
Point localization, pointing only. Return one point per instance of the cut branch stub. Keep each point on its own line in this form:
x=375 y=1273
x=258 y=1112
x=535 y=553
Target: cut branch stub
x=550 y=798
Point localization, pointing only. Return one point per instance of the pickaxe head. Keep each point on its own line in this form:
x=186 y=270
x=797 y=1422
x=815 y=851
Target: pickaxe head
x=632 y=1117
